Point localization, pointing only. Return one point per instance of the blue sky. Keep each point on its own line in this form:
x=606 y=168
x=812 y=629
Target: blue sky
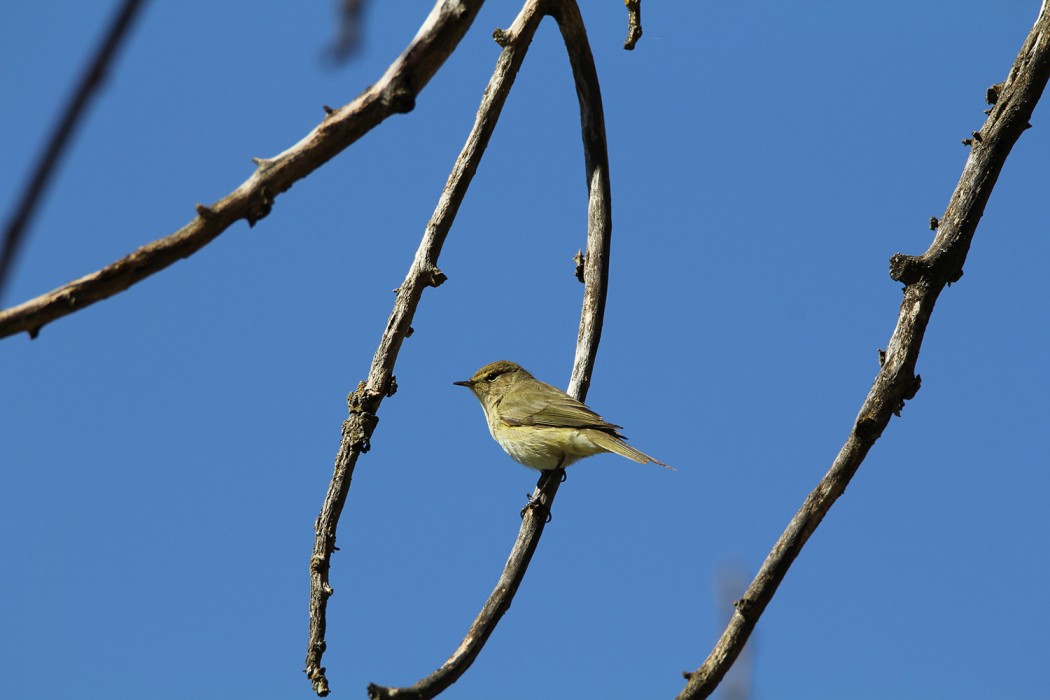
x=163 y=454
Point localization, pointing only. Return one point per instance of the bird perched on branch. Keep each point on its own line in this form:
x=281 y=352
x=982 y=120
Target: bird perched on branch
x=540 y=425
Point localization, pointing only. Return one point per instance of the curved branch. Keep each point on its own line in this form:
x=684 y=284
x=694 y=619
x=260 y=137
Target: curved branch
x=925 y=277
x=90 y=81
x=596 y=271
x=393 y=93
x=364 y=402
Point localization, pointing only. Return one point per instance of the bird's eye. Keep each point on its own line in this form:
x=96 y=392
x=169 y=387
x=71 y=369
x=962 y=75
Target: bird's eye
x=491 y=376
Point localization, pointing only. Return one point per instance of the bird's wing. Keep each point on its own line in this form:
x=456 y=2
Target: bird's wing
x=551 y=407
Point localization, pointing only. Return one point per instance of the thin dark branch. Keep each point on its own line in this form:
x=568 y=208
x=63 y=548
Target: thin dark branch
x=349 y=32
x=596 y=270
x=634 y=23
x=925 y=276
x=365 y=401
x=395 y=92
x=89 y=83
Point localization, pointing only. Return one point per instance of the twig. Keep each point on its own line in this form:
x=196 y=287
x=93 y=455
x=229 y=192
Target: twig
x=925 y=277
x=90 y=81
x=634 y=23
x=395 y=92
x=596 y=271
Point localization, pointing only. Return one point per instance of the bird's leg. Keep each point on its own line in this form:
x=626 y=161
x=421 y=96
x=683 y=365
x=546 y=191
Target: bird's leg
x=541 y=487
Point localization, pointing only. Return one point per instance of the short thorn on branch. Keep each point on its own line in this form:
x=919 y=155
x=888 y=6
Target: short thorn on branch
x=914 y=388
x=934 y=223
x=580 y=259
x=260 y=207
x=204 y=212
x=909 y=394
x=743 y=606
x=399 y=97
x=435 y=277
x=991 y=95
x=263 y=164
x=907 y=268
x=501 y=37
x=867 y=429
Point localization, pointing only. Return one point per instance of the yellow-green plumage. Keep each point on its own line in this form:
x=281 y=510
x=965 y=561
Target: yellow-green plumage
x=540 y=425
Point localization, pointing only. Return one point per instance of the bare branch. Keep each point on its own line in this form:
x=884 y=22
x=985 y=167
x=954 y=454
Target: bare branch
x=395 y=92
x=596 y=270
x=634 y=23
x=90 y=81
x=925 y=277
x=423 y=272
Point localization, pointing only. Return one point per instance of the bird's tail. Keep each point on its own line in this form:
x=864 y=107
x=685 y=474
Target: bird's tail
x=615 y=444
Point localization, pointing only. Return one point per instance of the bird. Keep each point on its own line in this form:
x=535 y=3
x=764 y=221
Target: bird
x=541 y=426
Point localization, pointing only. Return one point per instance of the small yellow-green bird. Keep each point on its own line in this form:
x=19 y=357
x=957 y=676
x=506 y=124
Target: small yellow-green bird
x=540 y=425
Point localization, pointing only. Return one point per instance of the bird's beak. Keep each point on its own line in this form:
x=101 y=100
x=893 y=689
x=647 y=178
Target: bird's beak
x=466 y=382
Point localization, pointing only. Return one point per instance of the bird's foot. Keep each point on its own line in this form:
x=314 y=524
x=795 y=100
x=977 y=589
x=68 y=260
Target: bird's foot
x=536 y=503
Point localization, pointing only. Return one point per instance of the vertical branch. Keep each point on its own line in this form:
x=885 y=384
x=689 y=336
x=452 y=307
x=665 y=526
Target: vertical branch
x=90 y=81
x=596 y=270
x=599 y=204
x=925 y=276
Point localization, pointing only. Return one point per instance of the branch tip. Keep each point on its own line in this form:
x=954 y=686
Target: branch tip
x=634 y=23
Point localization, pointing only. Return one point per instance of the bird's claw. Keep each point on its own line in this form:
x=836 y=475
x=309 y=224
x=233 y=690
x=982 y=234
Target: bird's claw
x=534 y=504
